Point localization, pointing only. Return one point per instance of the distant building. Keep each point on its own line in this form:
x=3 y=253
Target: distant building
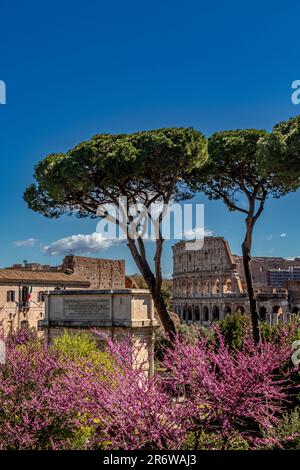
x=22 y=286
x=273 y=272
x=209 y=283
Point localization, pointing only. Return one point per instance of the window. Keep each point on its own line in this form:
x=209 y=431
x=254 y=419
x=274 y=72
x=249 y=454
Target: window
x=10 y=296
x=25 y=294
x=24 y=324
x=41 y=296
x=197 y=314
x=205 y=313
x=216 y=313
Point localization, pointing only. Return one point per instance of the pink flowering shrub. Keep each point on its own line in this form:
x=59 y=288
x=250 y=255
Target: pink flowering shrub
x=42 y=402
x=134 y=411
x=51 y=398
x=231 y=392
x=51 y=401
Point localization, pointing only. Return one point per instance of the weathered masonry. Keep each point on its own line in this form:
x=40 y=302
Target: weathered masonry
x=23 y=286
x=22 y=295
x=116 y=312
x=209 y=283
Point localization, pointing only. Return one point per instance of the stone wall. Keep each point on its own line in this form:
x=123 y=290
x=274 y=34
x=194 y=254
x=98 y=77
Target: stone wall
x=101 y=273
x=208 y=284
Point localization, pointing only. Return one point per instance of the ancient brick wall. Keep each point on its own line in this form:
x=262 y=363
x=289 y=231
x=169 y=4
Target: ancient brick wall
x=102 y=273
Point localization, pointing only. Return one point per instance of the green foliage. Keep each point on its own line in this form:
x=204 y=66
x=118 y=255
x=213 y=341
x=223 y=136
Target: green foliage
x=233 y=328
x=281 y=152
x=288 y=430
x=274 y=333
x=82 y=347
x=192 y=332
x=158 y=162
x=236 y=167
x=75 y=344
x=210 y=441
x=167 y=296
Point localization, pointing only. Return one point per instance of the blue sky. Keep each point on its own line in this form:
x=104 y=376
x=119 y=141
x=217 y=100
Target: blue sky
x=74 y=69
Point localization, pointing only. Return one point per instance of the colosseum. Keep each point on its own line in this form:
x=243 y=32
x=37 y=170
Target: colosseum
x=209 y=283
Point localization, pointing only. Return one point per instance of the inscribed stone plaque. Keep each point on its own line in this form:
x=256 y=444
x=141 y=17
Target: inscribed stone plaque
x=87 y=309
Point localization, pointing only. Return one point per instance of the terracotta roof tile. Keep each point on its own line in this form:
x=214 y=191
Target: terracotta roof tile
x=15 y=276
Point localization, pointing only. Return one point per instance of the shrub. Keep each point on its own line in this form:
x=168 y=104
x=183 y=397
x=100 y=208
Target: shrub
x=233 y=328
x=230 y=392
x=136 y=413
x=82 y=348
x=41 y=400
x=287 y=431
x=210 y=395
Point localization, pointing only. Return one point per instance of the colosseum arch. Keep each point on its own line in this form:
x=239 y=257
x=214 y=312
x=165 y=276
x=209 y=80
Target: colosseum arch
x=240 y=309
x=215 y=313
x=197 y=313
x=226 y=310
x=277 y=309
x=184 y=313
x=190 y=313
x=263 y=313
x=205 y=313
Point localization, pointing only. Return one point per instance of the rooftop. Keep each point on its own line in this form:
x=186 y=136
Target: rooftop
x=57 y=278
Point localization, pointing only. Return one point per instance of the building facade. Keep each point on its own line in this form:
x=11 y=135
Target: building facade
x=271 y=271
x=209 y=283
x=23 y=287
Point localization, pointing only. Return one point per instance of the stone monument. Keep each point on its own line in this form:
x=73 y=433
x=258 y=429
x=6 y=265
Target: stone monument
x=117 y=312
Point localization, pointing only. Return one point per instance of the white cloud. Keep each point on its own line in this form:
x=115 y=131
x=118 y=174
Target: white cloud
x=168 y=276
x=283 y=235
x=197 y=233
x=208 y=233
x=79 y=244
x=25 y=243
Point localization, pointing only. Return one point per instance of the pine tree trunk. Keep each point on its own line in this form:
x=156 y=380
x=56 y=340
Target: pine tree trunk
x=164 y=315
x=156 y=294
x=246 y=250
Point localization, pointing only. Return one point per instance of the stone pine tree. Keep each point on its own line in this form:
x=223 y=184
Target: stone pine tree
x=280 y=152
x=237 y=175
x=144 y=167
